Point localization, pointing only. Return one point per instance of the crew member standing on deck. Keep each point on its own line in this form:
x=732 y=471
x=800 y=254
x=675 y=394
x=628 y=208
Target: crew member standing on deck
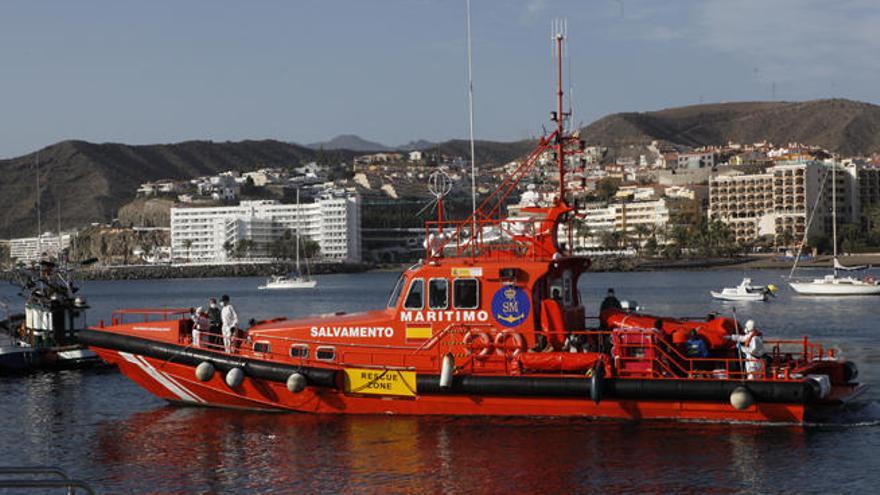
x=230 y=321
x=215 y=323
x=751 y=344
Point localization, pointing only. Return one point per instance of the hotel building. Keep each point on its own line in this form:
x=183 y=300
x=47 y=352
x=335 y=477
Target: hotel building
x=203 y=235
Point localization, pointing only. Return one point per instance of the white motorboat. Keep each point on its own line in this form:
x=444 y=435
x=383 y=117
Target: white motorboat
x=285 y=282
x=835 y=284
x=745 y=291
x=296 y=281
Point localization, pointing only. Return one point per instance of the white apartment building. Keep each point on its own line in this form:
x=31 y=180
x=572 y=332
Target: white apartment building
x=628 y=217
x=332 y=220
x=695 y=160
x=780 y=201
x=27 y=249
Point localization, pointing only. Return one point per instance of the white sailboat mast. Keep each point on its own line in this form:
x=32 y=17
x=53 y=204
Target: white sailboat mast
x=834 y=212
x=298 y=226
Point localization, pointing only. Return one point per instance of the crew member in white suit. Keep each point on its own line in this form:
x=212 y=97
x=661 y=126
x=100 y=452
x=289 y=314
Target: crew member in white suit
x=229 y=318
x=751 y=344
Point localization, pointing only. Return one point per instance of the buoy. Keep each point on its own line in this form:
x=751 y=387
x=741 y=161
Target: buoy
x=484 y=343
x=741 y=398
x=234 y=377
x=296 y=382
x=596 y=382
x=447 y=368
x=205 y=371
x=502 y=339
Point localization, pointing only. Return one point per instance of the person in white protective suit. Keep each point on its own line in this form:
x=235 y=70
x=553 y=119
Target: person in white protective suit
x=229 y=318
x=751 y=344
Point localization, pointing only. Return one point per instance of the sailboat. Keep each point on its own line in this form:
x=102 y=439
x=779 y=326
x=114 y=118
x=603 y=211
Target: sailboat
x=295 y=280
x=836 y=284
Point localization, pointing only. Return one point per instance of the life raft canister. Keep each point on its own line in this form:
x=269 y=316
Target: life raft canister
x=478 y=340
x=507 y=343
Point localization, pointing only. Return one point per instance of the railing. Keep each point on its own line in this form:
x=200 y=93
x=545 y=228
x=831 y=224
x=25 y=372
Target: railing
x=161 y=314
x=662 y=358
x=42 y=478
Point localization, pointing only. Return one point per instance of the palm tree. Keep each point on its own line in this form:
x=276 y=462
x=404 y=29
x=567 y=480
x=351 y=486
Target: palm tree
x=642 y=231
x=188 y=245
x=583 y=232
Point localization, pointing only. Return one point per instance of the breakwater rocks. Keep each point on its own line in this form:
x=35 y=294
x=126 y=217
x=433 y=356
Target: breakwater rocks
x=633 y=264
x=138 y=272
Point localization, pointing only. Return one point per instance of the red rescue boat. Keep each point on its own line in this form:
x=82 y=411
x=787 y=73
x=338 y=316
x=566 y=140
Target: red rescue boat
x=490 y=323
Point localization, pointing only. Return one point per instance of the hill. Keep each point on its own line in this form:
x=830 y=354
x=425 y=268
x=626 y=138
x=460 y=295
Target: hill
x=88 y=182
x=487 y=152
x=844 y=126
x=350 y=142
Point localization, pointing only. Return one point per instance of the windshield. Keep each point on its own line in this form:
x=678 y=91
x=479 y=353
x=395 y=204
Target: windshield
x=395 y=294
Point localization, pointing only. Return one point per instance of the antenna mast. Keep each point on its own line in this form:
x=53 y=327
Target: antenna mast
x=471 y=115
x=559 y=32
x=39 y=227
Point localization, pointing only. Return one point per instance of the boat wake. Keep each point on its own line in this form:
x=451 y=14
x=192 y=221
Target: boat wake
x=854 y=414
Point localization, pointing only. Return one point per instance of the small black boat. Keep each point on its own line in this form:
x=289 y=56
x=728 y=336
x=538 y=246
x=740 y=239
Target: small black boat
x=45 y=336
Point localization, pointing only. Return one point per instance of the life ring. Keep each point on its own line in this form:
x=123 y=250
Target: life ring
x=484 y=341
x=501 y=342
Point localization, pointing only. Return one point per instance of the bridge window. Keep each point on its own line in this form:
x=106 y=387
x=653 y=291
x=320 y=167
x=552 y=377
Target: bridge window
x=438 y=293
x=415 y=298
x=395 y=294
x=299 y=351
x=261 y=347
x=326 y=353
x=466 y=293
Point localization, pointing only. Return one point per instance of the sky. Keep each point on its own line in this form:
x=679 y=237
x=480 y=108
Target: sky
x=396 y=70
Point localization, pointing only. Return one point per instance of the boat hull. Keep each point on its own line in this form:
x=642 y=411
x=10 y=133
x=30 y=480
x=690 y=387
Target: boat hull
x=299 y=284
x=16 y=360
x=738 y=297
x=826 y=289
x=176 y=382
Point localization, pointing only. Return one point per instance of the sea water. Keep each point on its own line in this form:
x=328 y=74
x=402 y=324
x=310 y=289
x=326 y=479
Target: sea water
x=101 y=427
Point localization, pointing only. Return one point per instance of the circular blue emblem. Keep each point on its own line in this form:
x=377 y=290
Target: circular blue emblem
x=510 y=306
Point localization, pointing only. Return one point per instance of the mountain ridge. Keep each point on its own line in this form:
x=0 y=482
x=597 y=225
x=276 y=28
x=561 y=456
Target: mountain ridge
x=839 y=125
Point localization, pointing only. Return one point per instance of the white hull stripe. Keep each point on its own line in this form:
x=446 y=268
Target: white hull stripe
x=166 y=381
x=172 y=380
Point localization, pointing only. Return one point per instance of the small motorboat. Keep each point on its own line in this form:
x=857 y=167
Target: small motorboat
x=745 y=291
x=289 y=282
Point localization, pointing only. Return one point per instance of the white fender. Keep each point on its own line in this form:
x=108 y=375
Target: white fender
x=741 y=398
x=234 y=377
x=205 y=371
x=447 y=368
x=296 y=382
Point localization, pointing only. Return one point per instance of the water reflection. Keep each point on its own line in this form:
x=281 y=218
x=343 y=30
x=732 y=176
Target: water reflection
x=182 y=450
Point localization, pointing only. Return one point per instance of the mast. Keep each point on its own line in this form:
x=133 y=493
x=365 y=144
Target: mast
x=834 y=212
x=560 y=115
x=39 y=227
x=471 y=118
x=298 y=226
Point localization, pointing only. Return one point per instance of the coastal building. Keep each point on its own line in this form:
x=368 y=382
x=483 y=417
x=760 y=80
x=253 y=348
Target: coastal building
x=779 y=202
x=636 y=219
x=27 y=249
x=695 y=160
x=210 y=234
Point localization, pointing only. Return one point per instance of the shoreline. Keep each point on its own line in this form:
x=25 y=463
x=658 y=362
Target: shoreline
x=156 y=272
x=599 y=264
